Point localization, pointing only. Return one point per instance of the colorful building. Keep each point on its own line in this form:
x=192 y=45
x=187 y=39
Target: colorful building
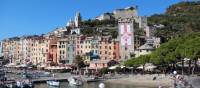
x=53 y=49
x=1 y=49
x=39 y=50
x=126 y=38
x=62 y=45
x=108 y=50
x=11 y=49
x=71 y=49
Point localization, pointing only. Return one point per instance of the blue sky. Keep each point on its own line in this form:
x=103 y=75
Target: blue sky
x=28 y=17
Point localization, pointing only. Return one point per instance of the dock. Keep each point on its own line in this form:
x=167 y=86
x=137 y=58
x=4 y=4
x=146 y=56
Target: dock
x=42 y=80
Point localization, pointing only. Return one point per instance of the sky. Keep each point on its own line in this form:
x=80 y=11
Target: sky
x=30 y=17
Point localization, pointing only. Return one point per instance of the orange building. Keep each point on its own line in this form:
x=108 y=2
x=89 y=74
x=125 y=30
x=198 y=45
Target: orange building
x=52 y=51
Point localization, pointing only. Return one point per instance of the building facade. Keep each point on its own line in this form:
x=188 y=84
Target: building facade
x=1 y=49
x=62 y=50
x=71 y=49
x=53 y=49
x=126 y=37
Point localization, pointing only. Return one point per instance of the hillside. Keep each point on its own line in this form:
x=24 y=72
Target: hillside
x=179 y=19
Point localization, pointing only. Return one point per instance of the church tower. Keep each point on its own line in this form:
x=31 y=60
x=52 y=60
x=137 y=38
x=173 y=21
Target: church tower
x=77 y=19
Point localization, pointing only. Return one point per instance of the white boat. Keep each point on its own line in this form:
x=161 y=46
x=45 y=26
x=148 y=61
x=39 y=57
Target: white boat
x=24 y=84
x=75 y=81
x=53 y=83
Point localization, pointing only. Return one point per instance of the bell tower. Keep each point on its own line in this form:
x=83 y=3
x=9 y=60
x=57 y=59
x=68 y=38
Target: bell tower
x=77 y=19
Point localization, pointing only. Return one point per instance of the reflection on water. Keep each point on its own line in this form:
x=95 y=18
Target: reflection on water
x=88 y=85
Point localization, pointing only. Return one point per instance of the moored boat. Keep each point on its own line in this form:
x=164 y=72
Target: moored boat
x=75 y=81
x=53 y=83
x=25 y=83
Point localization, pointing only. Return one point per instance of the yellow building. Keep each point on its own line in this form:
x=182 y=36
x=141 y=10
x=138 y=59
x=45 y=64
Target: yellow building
x=40 y=49
x=62 y=50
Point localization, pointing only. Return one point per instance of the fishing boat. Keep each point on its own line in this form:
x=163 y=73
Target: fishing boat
x=53 y=83
x=75 y=81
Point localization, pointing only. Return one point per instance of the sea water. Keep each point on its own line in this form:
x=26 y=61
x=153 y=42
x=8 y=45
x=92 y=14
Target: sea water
x=90 y=85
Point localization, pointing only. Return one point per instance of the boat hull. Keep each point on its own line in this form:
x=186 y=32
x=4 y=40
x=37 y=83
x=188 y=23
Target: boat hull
x=53 y=83
x=75 y=81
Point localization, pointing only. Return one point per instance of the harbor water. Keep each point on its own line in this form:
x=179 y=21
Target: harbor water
x=89 y=85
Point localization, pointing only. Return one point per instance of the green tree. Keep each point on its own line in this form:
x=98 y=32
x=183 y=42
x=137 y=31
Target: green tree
x=176 y=50
x=79 y=62
x=135 y=62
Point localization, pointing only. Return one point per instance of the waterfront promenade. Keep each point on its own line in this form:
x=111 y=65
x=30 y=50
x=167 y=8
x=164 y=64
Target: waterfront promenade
x=150 y=80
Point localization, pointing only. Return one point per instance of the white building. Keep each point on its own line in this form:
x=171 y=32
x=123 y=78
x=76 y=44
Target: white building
x=75 y=31
x=144 y=49
x=1 y=49
x=58 y=32
x=77 y=21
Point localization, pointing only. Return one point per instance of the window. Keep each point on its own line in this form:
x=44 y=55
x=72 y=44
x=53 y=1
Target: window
x=105 y=47
x=77 y=46
x=110 y=47
x=114 y=42
x=105 y=52
x=126 y=57
x=125 y=48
